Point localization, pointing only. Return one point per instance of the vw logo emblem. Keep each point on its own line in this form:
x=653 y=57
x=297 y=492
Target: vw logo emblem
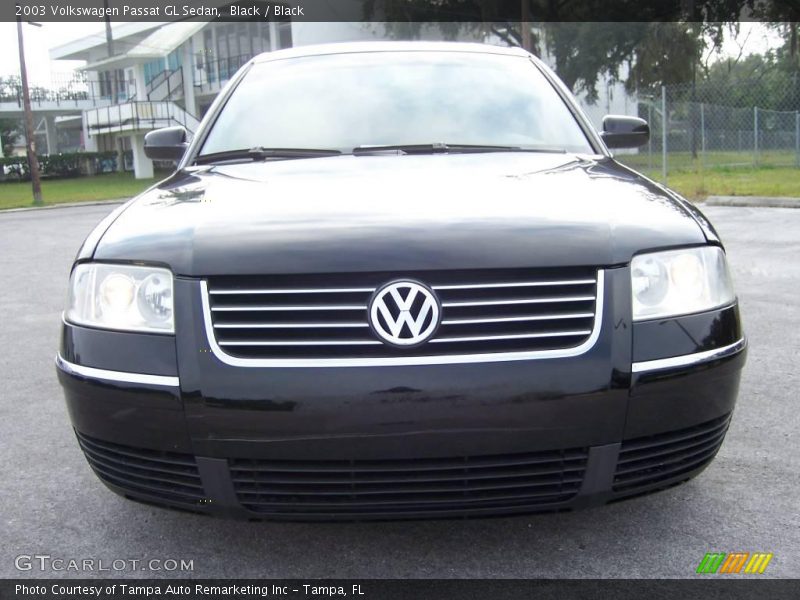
x=404 y=313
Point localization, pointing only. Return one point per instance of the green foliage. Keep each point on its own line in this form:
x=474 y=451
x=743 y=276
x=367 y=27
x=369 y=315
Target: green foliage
x=770 y=80
x=10 y=132
x=662 y=47
x=583 y=51
x=666 y=53
x=72 y=164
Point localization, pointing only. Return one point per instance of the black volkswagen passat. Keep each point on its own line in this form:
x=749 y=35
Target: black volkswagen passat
x=399 y=280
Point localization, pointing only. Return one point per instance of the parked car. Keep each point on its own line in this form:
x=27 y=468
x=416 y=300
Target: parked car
x=399 y=280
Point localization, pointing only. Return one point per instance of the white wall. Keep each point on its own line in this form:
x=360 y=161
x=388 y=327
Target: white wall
x=304 y=34
x=307 y=33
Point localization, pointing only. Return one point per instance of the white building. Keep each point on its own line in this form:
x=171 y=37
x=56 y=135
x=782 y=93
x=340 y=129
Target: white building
x=165 y=74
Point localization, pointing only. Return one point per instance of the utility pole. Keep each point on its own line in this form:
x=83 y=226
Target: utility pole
x=114 y=86
x=110 y=50
x=525 y=26
x=33 y=162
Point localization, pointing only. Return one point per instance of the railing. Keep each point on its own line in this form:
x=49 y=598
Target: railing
x=211 y=74
x=158 y=79
x=139 y=115
x=76 y=89
x=167 y=85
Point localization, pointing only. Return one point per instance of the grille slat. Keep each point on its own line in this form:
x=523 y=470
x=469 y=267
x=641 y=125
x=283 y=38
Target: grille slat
x=633 y=457
x=168 y=458
x=523 y=318
x=163 y=475
x=356 y=478
x=555 y=495
x=542 y=478
x=659 y=441
x=512 y=284
x=667 y=472
x=348 y=489
x=286 y=325
x=326 y=316
x=302 y=343
x=658 y=460
x=306 y=291
x=416 y=465
x=266 y=505
x=521 y=336
x=285 y=308
x=144 y=483
x=673 y=457
x=519 y=301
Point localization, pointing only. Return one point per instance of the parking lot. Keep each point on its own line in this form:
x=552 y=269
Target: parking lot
x=746 y=501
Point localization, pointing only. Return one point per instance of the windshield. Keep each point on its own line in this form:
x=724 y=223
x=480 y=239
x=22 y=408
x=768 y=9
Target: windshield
x=345 y=101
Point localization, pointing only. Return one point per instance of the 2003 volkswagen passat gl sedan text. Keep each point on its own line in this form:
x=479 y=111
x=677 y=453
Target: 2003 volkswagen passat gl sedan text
x=399 y=280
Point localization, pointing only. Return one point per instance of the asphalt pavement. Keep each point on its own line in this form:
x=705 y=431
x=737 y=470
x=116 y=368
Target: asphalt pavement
x=747 y=500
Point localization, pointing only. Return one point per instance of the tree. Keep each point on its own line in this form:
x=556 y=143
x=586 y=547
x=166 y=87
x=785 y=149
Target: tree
x=767 y=80
x=660 y=52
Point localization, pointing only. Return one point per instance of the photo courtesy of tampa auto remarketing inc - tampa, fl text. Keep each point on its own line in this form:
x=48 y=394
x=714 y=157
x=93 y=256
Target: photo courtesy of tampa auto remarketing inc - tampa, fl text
x=386 y=299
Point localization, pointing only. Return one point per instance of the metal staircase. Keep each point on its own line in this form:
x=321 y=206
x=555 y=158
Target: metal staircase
x=139 y=116
x=167 y=85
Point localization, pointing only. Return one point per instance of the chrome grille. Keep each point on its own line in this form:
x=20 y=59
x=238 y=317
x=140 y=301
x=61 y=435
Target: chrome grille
x=492 y=312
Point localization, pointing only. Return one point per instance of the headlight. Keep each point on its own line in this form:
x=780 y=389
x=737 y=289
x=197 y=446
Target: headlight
x=679 y=282
x=121 y=297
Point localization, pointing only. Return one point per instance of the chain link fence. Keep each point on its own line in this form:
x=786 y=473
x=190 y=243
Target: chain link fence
x=696 y=129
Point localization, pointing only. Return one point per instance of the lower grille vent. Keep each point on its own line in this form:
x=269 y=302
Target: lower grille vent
x=404 y=486
x=648 y=461
x=164 y=475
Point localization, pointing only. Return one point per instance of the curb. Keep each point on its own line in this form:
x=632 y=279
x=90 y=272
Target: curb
x=753 y=201
x=64 y=205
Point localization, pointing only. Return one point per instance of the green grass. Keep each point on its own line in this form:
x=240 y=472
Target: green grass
x=687 y=177
x=723 y=173
x=733 y=181
x=683 y=161
x=80 y=189
x=764 y=181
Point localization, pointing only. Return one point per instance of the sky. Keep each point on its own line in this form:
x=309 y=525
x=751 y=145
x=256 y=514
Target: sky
x=38 y=40
x=41 y=71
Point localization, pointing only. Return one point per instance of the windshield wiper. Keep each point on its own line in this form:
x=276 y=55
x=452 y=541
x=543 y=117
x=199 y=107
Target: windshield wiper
x=260 y=153
x=442 y=148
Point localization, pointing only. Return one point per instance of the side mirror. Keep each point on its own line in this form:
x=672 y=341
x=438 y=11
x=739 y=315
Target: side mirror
x=625 y=132
x=168 y=143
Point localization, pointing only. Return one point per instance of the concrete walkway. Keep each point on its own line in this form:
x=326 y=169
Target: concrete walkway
x=754 y=201
x=751 y=201
x=65 y=205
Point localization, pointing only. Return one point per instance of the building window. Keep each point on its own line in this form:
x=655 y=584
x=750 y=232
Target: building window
x=227 y=46
x=153 y=68
x=174 y=59
x=108 y=80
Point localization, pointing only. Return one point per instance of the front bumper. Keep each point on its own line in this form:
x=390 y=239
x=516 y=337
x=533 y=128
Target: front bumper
x=340 y=477
x=162 y=420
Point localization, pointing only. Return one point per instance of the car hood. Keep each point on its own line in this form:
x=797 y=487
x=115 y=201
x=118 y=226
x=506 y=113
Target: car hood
x=398 y=213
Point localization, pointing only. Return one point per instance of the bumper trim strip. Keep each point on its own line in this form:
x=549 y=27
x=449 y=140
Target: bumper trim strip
x=118 y=376
x=686 y=360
